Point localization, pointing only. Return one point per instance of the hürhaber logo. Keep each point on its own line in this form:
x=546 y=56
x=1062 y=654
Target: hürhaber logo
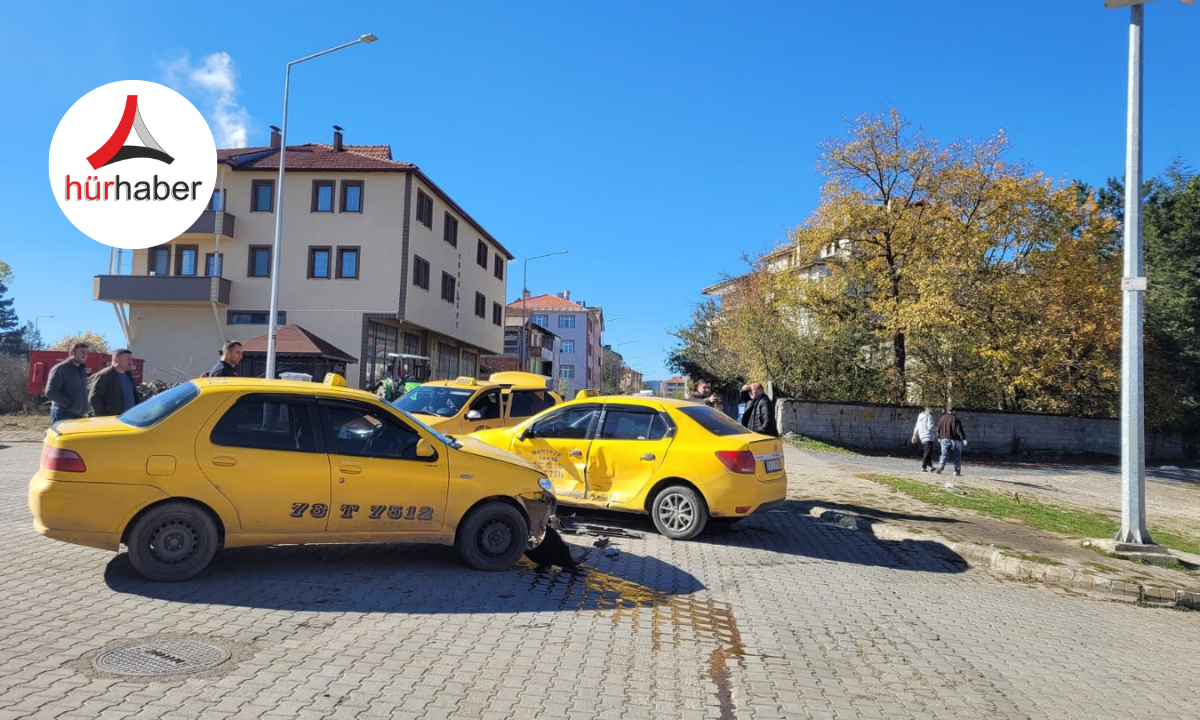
x=132 y=164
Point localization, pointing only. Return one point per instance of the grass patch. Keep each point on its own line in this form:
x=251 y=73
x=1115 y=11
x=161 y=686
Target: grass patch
x=35 y=422
x=1080 y=523
x=814 y=445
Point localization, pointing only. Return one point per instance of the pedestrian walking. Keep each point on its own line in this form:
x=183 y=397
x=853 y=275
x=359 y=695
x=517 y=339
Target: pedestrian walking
x=743 y=403
x=953 y=439
x=760 y=414
x=231 y=355
x=925 y=432
x=67 y=385
x=113 y=389
x=704 y=394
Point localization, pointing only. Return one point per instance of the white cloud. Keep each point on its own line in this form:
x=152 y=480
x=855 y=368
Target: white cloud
x=216 y=80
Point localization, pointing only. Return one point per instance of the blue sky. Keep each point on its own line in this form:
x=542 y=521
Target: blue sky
x=655 y=141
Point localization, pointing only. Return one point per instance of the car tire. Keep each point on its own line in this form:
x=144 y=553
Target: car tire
x=174 y=541
x=493 y=537
x=679 y=513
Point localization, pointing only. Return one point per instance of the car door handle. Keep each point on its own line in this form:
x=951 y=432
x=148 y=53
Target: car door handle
x=648 y=456
x=576 y=453
x=351 y=469
x=224 y=460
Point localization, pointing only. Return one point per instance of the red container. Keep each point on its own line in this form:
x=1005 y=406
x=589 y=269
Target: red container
x=40 y=362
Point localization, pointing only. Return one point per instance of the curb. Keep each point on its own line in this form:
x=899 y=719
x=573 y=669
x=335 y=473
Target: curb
x=997 y=561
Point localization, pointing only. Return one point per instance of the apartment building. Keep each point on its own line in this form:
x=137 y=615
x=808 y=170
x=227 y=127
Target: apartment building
x=376 y=259
x=578 y=327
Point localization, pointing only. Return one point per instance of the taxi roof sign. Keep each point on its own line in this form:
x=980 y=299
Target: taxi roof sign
x=334 y=380
x=465 y=380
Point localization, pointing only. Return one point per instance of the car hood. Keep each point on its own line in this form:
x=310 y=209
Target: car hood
x=481 y=449
x=496 y=437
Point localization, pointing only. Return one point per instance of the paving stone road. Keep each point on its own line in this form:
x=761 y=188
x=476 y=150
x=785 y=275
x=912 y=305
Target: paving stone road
x=783 y=617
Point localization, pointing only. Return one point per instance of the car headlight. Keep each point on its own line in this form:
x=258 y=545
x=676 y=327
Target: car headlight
x=545 y=484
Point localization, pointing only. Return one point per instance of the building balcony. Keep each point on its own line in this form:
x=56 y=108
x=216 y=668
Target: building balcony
x=160 y=289
x=206 y=224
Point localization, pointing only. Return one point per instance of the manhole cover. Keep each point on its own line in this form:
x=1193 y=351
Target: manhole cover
x=166 y=657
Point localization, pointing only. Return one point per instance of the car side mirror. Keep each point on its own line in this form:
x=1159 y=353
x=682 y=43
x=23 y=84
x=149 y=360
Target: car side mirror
x=474 y=415
x=425 y=449
x=525 y=434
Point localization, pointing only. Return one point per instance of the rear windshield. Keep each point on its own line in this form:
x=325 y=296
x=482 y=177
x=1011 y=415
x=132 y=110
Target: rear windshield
x=161 y=405
x=717 y=423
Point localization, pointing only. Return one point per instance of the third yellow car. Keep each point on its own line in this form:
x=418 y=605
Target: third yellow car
x=683 y=463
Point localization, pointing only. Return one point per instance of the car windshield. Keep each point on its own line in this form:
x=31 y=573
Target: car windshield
x=160 y=406
x=715 y=422
x=437 y=400
x=444 y=439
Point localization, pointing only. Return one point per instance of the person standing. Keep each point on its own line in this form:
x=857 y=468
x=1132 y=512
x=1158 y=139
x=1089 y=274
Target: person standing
x=113 y=388
x=231 y=355
x=67 y=385
x=704 y=394
x=925 y=432
x=760 y=414
x=953 y=438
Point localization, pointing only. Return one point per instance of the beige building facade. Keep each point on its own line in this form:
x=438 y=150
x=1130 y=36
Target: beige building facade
x=375 y=259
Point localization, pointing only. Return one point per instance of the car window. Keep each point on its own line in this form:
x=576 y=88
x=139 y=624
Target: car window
x=488 y=405
x=715 y=422
x=569 y=423
x=151 y=412
x=439 y=400
x=527 y=403
x=267 y=424
x=632 y=424
x=368 y=432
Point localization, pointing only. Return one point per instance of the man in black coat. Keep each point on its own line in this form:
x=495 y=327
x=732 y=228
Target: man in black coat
x=760 y=414
x=113 y=389
x=231 y=355
x=67 y=385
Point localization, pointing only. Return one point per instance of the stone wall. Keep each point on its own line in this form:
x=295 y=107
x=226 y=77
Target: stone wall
x=887 y=427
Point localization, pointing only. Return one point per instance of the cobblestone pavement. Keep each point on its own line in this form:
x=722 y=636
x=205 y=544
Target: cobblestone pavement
x=782 y=617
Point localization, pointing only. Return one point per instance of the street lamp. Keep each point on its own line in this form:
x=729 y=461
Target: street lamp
x=1133 y=458
x=366 y=39
x=38 y=319
x=621 y=362
x=524 y=295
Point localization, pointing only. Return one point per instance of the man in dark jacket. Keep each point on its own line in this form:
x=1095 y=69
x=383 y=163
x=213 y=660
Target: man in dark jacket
x=760 y=414
x=953 y=439
x=67 y=386
x=113 y=388
x=231 y=355
x=704 y=394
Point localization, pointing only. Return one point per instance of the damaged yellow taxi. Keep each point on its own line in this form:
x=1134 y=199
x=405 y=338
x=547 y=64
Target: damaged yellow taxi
x=235 y=462
x=466 y=404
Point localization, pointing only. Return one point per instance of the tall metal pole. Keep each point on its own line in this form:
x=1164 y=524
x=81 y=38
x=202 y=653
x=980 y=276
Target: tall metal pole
x=1133 y=457
x=524 y=294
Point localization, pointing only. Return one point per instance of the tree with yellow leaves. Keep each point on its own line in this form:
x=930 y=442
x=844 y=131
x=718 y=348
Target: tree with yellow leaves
x=96 y=342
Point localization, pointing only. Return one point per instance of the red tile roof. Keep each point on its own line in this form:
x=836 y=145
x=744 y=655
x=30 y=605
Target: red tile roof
x=316 y=157
x=295 y=340
x=548 y=302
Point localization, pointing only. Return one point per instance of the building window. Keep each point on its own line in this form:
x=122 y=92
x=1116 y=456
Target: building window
x=185 y=259
x=420 y=272
x=450 y=230
x=568 y=347
x=217 y=202
x=262 y=196
x=347 y=263
x=259 y=264
x=322 y=196
x=469 y=364
x=448 y=287
x=566 y=371
x=318 y=263
x=481 y=254
x=566 y=321
x=254 y=317
x=213 y=264
x=352 y=196
x=445 y=358
x=412 y=343
x=424 y=209
x=497 y=314
x=498 y=267
x=381 y=340
x=159 y=262
x=480 y=305
x=542 y=320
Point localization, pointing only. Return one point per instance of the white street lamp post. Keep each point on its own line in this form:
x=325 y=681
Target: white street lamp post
x=274 y=317
x=524 y=294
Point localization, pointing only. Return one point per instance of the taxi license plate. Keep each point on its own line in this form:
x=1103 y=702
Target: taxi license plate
x=774 y=465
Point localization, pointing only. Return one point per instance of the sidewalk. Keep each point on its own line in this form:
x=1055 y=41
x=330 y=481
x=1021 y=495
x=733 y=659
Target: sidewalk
x=830 y=487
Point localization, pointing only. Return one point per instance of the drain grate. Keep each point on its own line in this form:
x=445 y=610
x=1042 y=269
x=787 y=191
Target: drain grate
x=164 y=657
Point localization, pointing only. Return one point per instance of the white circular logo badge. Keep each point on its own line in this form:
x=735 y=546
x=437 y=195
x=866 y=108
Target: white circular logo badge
x=132 y=164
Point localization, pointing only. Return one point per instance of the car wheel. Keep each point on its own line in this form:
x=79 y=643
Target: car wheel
x=172 y=542
x=493 y=537
x=679 y=513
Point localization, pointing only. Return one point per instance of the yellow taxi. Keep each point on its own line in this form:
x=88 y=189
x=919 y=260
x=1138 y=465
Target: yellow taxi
x=683 y=463
x=463 y=405
x=235 y=462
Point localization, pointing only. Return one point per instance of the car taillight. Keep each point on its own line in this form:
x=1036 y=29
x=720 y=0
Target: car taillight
x=737 y=461
x=61 y=460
